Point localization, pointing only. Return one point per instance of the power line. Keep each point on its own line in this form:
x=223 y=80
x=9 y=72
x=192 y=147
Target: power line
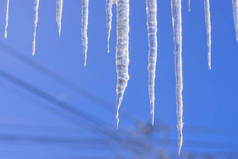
x=198 y=129
x=38 y=127
x=190 y=143
x=77 y=89
x=61 y=80
x=96 y=124
x=53 y=139
x=92 y=97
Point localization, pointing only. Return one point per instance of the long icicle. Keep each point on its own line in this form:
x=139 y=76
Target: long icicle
x=151 y=10
x=109 y=5
x=36 y=9
x=6 y=18
x=84 y=29
x=177 y=29
x=208 y=30
x=122 y=51
x=59 y=12
x=235 y=16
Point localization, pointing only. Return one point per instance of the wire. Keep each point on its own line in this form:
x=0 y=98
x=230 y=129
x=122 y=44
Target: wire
x=52 y=139
x=96 y=124
x=14 y=53
x=61 y=80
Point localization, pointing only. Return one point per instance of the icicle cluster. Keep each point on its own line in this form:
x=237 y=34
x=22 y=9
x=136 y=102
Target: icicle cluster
x=235 y=16
x=208 y=30
x=6 y=24
x=59 y=12
x=109 y=5
x=122 y=51
x=177 y=29
x=122 y=46
x=35 y=26
x=84 y=28
x=151 y=10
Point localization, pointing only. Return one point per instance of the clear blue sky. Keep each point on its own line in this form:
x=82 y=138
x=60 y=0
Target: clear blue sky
x=210 y=97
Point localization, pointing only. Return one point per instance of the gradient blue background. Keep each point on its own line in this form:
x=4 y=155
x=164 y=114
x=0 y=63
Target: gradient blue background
x=210 y=97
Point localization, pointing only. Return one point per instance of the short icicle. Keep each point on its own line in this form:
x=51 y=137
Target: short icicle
x=177 y=29
x=36 y=9
x=122 y=52
x=109 y=5
x=59 y=12
x=189 y=5
x=208 y=30
x=151 y=10
x=6 y=18
x=84 y=28
x=235 y=16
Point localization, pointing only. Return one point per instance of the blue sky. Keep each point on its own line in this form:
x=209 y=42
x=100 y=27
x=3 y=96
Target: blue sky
x=210 y=97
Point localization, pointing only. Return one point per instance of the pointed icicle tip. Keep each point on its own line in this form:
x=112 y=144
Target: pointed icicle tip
x=36 y=9
x=152 y=114
x=33 y=50
x=208 y=29
x=180 y=144
x=117 y=120
x=85 y=62
x=210 y=67
x=59 y=12
x=59 y=32
x=84 y=28
x=118 y=105
x=5 y=35
x=189 y=6
x=109 y=5
x=235 y=16
x=6 y=19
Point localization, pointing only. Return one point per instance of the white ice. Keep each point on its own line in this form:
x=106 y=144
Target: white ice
x=235 y=16
x=208 y=30
x=109 y=5
x=35 y=26
x=59 y=12
x=122 y=51
x=6 y=18
x=151 y=10
x=84 y=28
x=177 y=29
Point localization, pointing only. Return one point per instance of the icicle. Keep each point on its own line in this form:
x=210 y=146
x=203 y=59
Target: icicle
x=208 y=30
x=109 y=5
x=35 y=26
x=151 y=9
x=6 y=24
x=59 y=12
x=177 y=28
x=122 y=51
x=84 y=28
x=189 y=6
x=235 y=16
